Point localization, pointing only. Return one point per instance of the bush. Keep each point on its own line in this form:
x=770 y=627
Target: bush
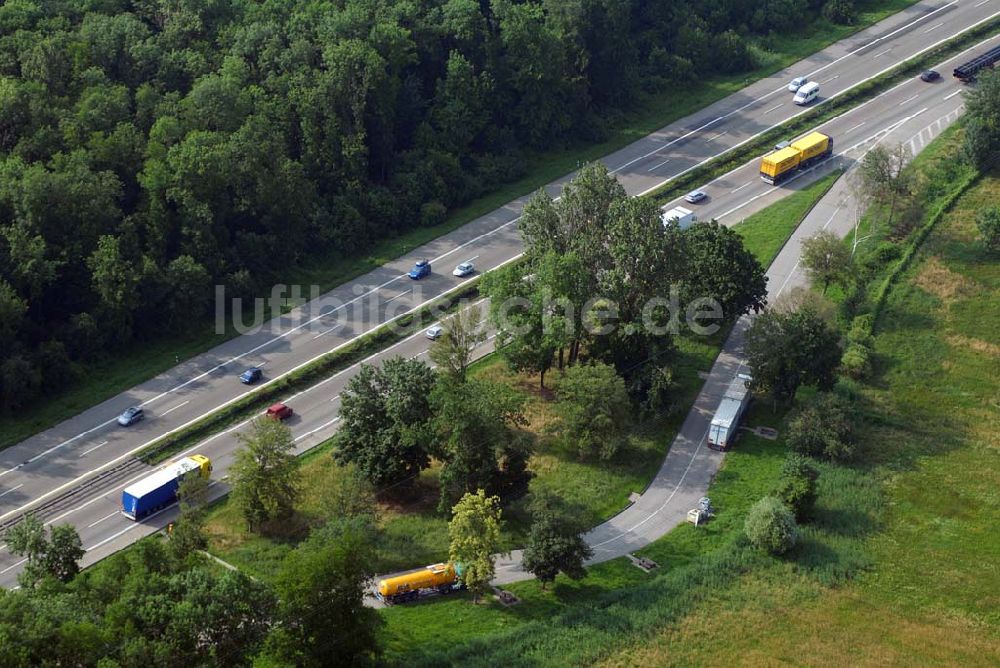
x=797 y=486
x=432 y=213
x=861 y=328
x=988 y=222
x=856 y=362
x=824 y=428
x=840 y=11
x=770 y=526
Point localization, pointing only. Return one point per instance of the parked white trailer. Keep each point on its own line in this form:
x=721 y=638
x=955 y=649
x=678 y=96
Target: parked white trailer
x=722 y=431
x=684 y=217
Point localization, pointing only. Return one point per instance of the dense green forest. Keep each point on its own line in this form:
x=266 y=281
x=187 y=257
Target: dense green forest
x=150 y=149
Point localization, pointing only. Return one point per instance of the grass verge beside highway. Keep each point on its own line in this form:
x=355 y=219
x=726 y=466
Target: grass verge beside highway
x=893 y=565
x=839 y=105
x=142 y=361
x=369 y=344
x=412 y=532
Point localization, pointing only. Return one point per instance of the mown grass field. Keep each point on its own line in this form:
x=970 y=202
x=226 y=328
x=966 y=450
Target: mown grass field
x=145 y=360
x=765 y=232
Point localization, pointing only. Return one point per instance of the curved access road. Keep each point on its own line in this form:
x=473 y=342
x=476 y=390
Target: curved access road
x=80 y=466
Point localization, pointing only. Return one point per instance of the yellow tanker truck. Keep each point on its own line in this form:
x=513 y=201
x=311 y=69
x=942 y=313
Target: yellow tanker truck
x=783 y=163
x=440 y=578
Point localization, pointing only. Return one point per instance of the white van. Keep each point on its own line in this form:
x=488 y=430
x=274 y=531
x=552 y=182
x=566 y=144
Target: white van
x=806 y=94
x=685 y=218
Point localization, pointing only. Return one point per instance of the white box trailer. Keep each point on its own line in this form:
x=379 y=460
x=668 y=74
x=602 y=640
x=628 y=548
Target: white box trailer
x=685 y=217
x=722 y=431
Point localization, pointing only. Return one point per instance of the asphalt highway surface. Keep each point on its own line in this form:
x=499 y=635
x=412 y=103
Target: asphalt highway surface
x=75 y=471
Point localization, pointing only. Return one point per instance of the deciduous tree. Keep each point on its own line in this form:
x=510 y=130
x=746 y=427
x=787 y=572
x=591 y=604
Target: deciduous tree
x=463 y=334
x=555 y=544
x=386 y=421
x=265 y=473
x=786 y=350
x=826 y=259
x=825 y=427
x=322 y=586
x=594 y=407
x=475 y=424
x=474 y=533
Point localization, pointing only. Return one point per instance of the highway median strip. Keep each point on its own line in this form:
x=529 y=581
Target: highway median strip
x=839 y=105
x=306 y=377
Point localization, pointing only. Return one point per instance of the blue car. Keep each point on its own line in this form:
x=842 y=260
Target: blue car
x=420 y=269
x=251 y=376
x=130 y=416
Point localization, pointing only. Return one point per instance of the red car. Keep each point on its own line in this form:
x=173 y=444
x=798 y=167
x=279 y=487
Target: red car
x=279 y=411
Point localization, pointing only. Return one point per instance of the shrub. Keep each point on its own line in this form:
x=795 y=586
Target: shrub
x=861 y=328
x=432 y=213
x=797 y=486
x=988 y=222
x=840 y=11
x=856 y=362
x=824 y=428
x=770 y=526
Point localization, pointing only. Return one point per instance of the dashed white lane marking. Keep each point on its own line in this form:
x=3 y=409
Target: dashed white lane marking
x=908 y=100
x=94 y=524
x=933 y=27
x=882 y=53
x=99 y=445
x=404 y=292
x=337 y=326
x=658 y=165
x=777 y=106
x=854 y=128
x=13 y=566
x=12 y=489
x=171 y=410
x=749 y=183
x=951 y=95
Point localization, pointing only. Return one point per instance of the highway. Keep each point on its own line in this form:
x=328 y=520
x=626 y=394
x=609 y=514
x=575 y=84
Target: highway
x=56 y=462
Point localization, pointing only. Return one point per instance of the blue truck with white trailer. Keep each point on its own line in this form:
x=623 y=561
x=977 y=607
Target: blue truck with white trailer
x=159 y=490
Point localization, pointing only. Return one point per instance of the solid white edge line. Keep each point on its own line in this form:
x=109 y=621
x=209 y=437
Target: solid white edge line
x=497 y=229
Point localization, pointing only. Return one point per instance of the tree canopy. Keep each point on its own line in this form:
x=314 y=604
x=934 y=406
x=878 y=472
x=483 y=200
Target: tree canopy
x=385 y=425
x=786 y=350
x=150 y=150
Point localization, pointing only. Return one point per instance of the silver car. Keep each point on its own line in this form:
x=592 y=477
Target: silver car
x=130 y=416
x=464 y=269
x=797 y=83
x=435 y=332
x=694 y=196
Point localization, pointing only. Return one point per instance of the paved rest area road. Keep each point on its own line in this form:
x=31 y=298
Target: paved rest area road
x=46 y=466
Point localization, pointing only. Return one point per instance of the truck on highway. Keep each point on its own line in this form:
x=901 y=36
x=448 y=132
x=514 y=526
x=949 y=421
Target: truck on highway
x=725 y=423
x=159 y=490
x=966 y=72
x=779 y=165
x=685 y=217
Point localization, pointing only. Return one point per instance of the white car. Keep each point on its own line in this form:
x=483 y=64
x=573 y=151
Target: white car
x=797 y=83
x=435 y=332
x=694 y=196
x=464 y=269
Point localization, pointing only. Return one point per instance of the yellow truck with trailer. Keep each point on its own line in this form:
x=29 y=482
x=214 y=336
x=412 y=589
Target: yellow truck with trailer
x=783 y=163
